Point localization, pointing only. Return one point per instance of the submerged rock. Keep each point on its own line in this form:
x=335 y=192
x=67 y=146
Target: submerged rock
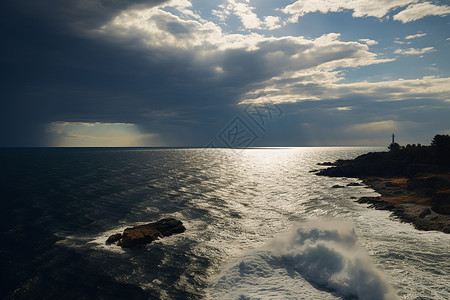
x=425 y=212
x=337 y=186
x=145 y=234
x=327 y=163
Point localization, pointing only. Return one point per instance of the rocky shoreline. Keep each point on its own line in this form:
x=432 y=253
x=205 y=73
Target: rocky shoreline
x=414 y=191
x=405 y=205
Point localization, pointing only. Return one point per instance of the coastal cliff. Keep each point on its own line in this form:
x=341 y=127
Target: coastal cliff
x=414 y=181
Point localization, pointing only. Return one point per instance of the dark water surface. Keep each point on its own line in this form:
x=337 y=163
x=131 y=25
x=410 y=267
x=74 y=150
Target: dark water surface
x=59 y=205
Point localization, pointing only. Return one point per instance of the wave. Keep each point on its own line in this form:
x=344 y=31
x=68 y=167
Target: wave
x=320 y=260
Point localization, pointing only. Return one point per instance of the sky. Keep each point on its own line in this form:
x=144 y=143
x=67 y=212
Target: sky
x=229 y=73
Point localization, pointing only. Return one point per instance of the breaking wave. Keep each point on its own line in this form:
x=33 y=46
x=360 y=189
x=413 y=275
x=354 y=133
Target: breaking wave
x=312 y=261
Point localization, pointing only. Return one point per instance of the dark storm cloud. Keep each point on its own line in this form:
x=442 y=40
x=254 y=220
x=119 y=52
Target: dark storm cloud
x=84 y=13
x=52 y=73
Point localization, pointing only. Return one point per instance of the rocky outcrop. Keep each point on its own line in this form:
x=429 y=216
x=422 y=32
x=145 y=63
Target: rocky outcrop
x=145 y=234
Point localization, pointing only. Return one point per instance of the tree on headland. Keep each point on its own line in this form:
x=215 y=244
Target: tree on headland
x=441 y=142
x=436 y=153
x=441 y=148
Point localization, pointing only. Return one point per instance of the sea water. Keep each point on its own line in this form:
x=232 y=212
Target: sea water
x=259 y=224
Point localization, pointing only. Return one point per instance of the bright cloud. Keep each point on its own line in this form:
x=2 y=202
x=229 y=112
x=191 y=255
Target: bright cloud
x=325 y=86
x=245 y=12
x=368 y=8
x=360 y=8
x=368 y=41
x=402 y=42
x=343 y=108
x=157 y=28
x=414 y=51
x=417 y=11
x=388 y=125
x=413 y=36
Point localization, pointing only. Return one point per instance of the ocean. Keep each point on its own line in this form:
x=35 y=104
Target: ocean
x=259 y=225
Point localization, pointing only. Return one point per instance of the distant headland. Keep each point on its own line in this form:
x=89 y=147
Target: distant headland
x=413 y=180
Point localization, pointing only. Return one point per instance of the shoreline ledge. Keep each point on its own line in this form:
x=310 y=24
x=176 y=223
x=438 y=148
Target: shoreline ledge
x=147 y=233
x=414 y=184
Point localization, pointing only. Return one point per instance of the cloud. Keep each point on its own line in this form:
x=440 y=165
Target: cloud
x=208 y=46
x=360 y=8
x=414 y=51
x=402 y=43
x=413 y=36
x=317 y=85
x=222 y=13
x=344 y=108
x=80 y=15
x=388 y=125
x=245 y=12
x=367 y=8
x=253 y=66
x=154 y=28
x=271 y=22
x=417 y=11
x=159 y=29
x=368 y=41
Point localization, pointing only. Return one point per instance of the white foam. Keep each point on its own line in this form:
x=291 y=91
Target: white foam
x=320 y=260
x=98 y=241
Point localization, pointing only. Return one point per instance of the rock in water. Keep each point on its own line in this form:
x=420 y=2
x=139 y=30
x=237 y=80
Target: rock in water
x=354 y=184
x=337 y=186
x=114 y=238
x=425 y=212
x=145 y=234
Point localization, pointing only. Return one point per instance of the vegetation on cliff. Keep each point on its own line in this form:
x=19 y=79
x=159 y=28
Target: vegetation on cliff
x=408 y=160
